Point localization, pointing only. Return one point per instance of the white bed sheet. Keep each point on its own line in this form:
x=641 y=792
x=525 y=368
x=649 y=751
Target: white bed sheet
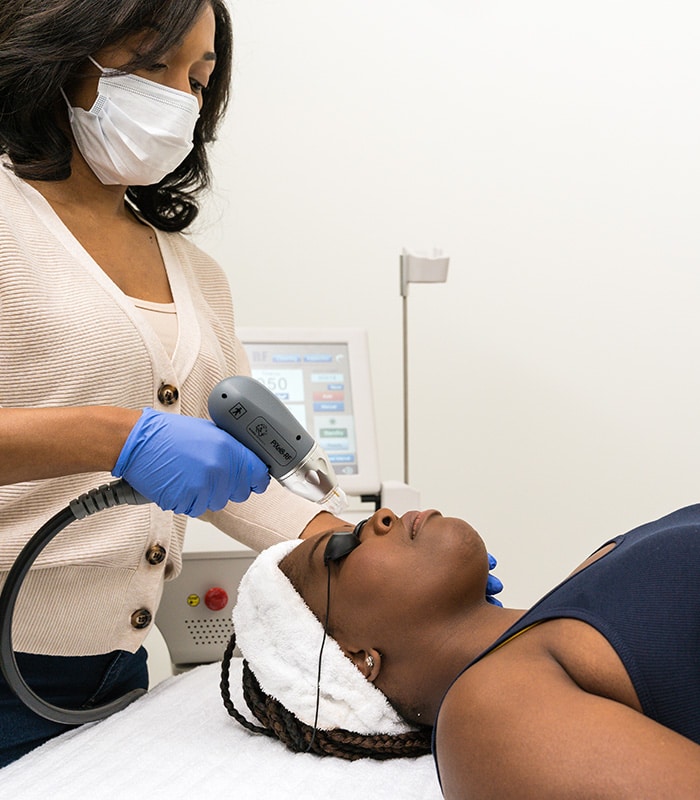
x=178 y=741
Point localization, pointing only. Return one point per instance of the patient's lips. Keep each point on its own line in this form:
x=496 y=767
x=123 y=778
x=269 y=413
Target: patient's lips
x=408 y=519
x=414 y=520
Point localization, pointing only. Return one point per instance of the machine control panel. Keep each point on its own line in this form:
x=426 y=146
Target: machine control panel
x=195 y=613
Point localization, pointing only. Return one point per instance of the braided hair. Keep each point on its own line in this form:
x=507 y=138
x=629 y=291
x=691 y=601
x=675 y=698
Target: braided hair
x=279 y=723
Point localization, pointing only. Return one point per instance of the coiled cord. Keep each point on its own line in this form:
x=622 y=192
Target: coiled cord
x=117 y=493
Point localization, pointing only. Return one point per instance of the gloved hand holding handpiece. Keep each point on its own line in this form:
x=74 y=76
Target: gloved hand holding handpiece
x=183 y=464
x=188 y=465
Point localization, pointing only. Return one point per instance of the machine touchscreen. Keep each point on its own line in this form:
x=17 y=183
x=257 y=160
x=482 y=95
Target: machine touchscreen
x=323 y=377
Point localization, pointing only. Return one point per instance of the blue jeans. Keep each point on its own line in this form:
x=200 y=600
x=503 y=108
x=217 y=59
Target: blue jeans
x=68 y=682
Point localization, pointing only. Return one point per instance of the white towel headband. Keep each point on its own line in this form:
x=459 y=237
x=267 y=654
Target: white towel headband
x=280 y=638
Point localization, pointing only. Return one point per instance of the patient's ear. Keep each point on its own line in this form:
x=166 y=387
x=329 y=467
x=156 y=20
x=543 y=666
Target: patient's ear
x=369 y=662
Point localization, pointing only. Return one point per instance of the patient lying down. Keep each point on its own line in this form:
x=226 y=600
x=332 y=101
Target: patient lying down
x=593 y=692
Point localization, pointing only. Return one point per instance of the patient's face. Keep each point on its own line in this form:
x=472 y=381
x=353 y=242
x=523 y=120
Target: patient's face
x=411 y=571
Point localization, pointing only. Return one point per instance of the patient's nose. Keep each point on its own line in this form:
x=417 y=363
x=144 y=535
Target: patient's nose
x=382 y=520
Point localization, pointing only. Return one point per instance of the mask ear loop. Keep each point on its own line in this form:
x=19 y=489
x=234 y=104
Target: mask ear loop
x=338 y=546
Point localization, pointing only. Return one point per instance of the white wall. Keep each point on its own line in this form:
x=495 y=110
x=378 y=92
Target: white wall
x=552 y=149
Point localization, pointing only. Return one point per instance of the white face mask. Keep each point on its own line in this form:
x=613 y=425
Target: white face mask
x=137 y=130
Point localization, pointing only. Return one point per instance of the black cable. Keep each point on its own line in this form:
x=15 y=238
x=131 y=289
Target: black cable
x=338 y=546
x=320 y=661
x=107 y=496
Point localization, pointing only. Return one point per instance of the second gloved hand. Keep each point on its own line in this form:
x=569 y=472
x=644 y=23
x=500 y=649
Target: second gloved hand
x=493 y=584
x=188 y=465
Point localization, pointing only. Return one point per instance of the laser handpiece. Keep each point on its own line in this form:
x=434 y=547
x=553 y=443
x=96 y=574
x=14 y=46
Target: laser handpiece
x=247 y=410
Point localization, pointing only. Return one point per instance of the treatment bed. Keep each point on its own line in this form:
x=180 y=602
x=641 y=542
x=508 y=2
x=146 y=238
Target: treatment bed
x=178 y=741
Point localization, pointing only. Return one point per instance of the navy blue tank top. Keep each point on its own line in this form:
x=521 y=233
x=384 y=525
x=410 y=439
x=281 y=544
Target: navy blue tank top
x=644 y=598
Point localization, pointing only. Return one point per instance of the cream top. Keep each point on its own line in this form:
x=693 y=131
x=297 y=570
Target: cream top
x=162 y=317
x=70 y=337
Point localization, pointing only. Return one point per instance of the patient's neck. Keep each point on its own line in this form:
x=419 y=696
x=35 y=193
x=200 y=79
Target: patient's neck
x=446 y=652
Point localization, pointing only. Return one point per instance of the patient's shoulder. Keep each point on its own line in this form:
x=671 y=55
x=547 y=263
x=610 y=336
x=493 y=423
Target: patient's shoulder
x=520 y=697
x=485 y=712
x=492 y=690
x=561 y=652
x=521 y=726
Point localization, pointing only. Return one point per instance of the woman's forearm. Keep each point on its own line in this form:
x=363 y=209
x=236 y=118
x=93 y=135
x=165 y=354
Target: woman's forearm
x=323 y=522
x=40 y=443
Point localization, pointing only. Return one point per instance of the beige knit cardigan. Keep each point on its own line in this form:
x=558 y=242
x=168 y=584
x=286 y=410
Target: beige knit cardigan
x=70 y=337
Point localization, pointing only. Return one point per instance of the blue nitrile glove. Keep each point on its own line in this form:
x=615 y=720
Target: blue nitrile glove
x=188 y=465
x=493 y=585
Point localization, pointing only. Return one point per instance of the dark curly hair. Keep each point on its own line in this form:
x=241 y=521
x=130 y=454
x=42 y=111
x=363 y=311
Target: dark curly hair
x=45 y=43
x=279 y=723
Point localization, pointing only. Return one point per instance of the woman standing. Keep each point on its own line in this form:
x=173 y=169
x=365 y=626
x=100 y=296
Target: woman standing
x=114 y=328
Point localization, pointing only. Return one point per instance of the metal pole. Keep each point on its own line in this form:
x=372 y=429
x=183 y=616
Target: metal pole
x=405 y=389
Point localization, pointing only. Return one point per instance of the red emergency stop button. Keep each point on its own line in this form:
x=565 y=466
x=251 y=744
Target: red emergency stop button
x=216 y=598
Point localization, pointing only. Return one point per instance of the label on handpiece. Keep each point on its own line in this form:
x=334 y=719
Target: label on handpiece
x=272 y=442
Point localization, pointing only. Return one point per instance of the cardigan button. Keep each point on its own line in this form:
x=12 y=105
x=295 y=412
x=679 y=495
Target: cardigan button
x=141 y=619
x=155 y=554
x=168 y=394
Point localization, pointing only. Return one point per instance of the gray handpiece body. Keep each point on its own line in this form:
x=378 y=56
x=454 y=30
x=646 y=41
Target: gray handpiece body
x=252 y=414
